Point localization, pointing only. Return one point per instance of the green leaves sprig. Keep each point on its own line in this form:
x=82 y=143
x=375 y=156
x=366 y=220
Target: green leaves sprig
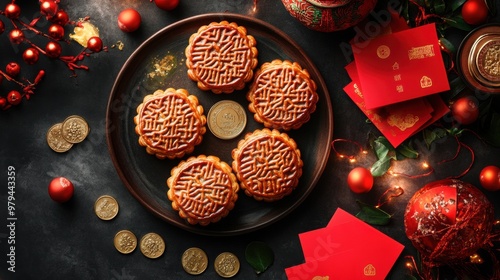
x=386 y=153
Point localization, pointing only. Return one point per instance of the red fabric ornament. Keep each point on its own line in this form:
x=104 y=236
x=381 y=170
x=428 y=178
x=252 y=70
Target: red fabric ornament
x=465 y=110
x=53 y=49
x=448 y=221
x=12 y=11
x=94 y=44
x=490 y=178
x=475 y=12
x=129 y=20
x=14 y=97
x=360 y=180
x=61 y=189
x=31 y=55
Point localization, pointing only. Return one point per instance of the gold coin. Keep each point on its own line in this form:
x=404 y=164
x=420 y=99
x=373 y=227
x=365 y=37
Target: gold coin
x=125 y=241
x=106 y=207
x=75 y=129
x=227 y=265
x=152 y=245
x=226 y=119
x=194 y=261
x=55 y=140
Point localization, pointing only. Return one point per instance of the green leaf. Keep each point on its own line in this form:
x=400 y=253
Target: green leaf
x=259 y=255
x=430 y=135
x=380 y=167
x=410 y=277
x=457 y=22
x=456 y=4
x=382 y=148
x=439 y=7
x=448 y=45
x=456 y=87
x=407 y=151
x=372 y=215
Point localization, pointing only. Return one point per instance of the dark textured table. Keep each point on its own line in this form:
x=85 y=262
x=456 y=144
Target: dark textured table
x=68 y=241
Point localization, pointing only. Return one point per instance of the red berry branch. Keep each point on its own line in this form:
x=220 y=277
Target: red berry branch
x=50 y=10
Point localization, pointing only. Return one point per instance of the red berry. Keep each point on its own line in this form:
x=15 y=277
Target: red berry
x=94 y=44
x=61 y=189
x=56 y=31
x=3 y=102
x=475 y=12
x=13 y=69
x=465 y=110
x=31 y=55
x=129 y=20
x=12 y=11
x=2 y=27
x=53 y=49
x=16 y=36
x=48 y=8
x=61 y=18
x=167 y=5
x=14 y=97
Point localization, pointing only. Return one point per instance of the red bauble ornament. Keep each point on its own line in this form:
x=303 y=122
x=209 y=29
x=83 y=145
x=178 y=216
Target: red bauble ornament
x=12 y=69
x=53 y=49
x=360 y=180
x=56 y=31
x=465 y=110
x=31 y=55
x=16 y=36
x=12 y=11
x=14 y=97
x=475 y=12
x=129 y=20
x=61 y=18
x=94 y=44
x=3 y=102
x=447 y=221
x=167 y=5
x=61 y=189
x=48 y=8
x=490 y=178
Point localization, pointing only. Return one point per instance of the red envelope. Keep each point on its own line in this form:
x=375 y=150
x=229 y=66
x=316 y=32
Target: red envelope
x=401 y=66
x=347 y=248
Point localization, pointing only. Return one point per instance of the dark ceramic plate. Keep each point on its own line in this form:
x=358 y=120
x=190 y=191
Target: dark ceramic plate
x=145 y=176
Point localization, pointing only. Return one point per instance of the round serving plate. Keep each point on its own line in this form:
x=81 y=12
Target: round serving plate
x=145 y=176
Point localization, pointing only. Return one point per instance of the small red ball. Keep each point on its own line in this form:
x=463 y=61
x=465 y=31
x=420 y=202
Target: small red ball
x=13 y=69
x=2 y=27
x=475 y=12
x=129 y=20
x=94 y=44
x=48 y=8
x=14 y=97
x=56 y=31
x=31 y=55
x=12 y=11
x=360 y=180
x=61 y=189
x=61 y=18
x=3 y=102
x=490 y=178
x=167 y=5
x=53 y=49
x=16 y=36
x=465 y=110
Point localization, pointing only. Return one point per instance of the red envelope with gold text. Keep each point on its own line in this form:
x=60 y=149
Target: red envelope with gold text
x=347 y=248
x=401 y=66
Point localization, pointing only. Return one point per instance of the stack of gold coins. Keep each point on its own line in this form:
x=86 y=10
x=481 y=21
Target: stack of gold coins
x=62 y=136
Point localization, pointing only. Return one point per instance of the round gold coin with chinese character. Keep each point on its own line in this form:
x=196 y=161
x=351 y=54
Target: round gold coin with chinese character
x=74 y=129
x=226 y=119
x=194 y=261
x=227 y=265
x=106 y=207
x=125 y=241
x=152 y=245
x=55 y=140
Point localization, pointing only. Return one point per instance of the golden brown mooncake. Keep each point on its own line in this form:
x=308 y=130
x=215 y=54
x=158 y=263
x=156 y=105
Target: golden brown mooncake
x=170 y=123
x=202 y=189
x=267 y=164
x=282 y=95
x=221 y=57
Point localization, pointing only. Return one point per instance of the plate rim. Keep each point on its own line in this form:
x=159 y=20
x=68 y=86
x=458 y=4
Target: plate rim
x=232 y=17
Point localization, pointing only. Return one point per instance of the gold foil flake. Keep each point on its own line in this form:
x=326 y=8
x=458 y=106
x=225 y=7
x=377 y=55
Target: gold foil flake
x=119 y=45
x=163 y=67
x=83 y=31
